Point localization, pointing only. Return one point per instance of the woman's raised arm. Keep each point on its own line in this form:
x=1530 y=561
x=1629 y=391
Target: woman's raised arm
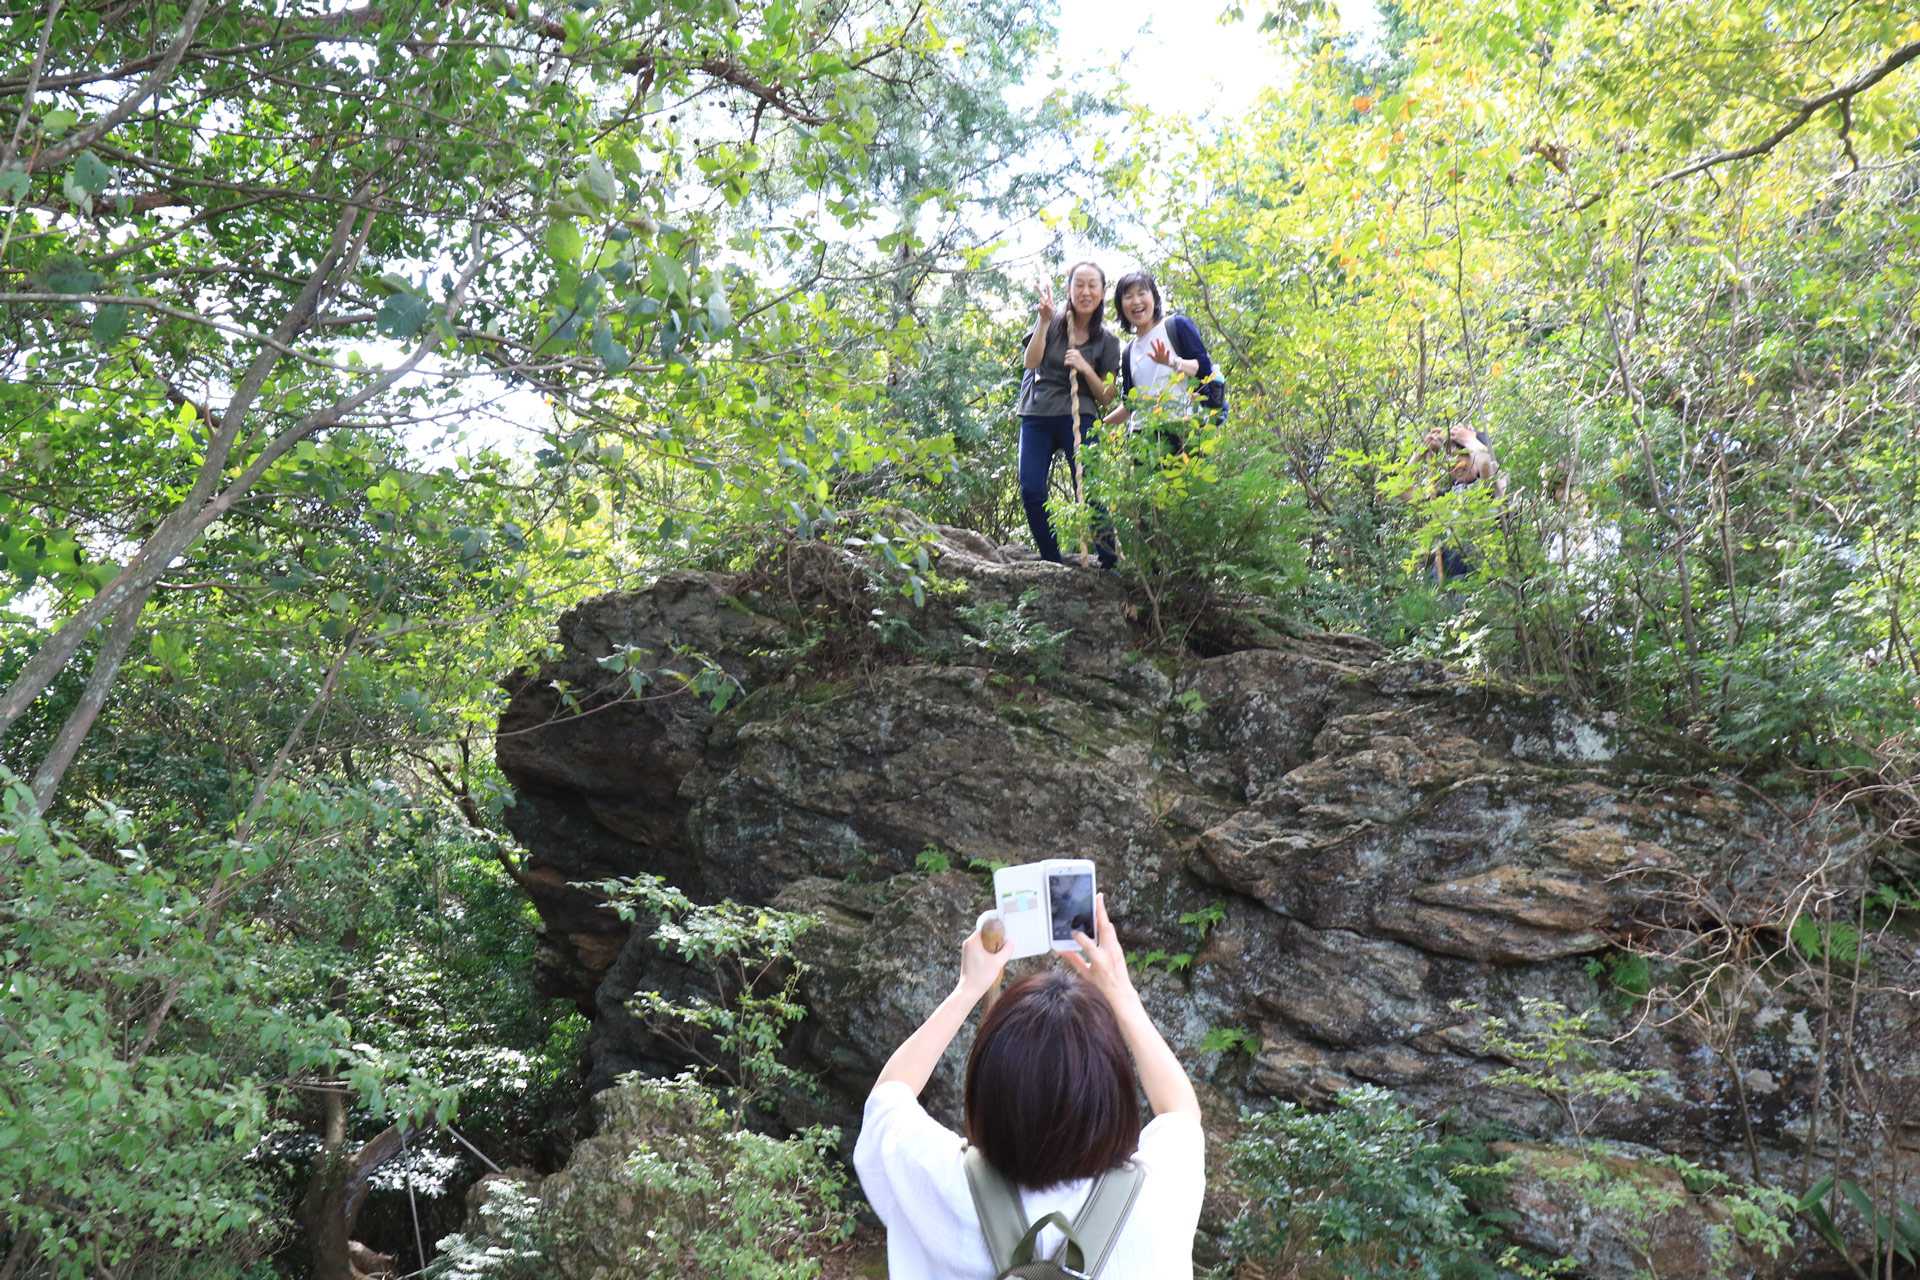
x=1043 y=321
x=1161 y=1076
x=913 y=1062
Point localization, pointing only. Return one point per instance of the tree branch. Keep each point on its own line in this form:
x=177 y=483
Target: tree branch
x=106 y=665
x=189 y=26
x=33 y=84
x=179 y=529
x=1808 y=106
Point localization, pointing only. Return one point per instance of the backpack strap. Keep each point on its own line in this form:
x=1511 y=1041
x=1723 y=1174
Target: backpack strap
x=1012 y=1242
x=1126 y=369
x=1003 y=1219
x=1071 y=1257
x=1101 y=1217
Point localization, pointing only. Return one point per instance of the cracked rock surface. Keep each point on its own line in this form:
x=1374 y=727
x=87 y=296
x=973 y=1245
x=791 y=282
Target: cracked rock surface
x=1396 y=850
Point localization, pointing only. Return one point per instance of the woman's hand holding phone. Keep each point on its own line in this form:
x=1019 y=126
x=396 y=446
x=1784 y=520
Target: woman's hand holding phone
x=1103 y=963
x=913 y=1062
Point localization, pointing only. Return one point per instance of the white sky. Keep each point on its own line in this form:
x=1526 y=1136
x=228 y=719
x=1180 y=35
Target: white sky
x=1176 y=56
x=1177 y=59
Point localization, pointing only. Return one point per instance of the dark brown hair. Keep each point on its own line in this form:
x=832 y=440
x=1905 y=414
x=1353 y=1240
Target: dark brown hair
x=1050 y=1095
x=1064 y=317
x=1128 y=283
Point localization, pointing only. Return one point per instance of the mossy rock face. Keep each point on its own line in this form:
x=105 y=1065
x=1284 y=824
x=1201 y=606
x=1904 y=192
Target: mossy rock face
x=1390 y=843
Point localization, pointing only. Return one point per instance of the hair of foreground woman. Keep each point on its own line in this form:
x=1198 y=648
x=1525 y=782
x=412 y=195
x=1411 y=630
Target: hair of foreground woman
x=1050 y=1095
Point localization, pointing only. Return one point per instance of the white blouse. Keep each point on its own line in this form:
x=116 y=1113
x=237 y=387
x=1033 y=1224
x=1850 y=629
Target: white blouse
x=1149 y=375
x=913 y=1169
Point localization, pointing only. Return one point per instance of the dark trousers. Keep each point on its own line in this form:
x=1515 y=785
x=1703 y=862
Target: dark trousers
x=1040 y=439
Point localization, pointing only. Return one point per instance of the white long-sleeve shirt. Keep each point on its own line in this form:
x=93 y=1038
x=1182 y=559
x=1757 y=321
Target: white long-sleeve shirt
x=913 y=1169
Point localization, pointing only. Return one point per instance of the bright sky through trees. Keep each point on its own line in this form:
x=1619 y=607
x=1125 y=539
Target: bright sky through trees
x=1179 y=58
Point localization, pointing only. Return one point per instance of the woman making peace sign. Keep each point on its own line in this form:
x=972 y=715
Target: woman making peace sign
x=1064 y=347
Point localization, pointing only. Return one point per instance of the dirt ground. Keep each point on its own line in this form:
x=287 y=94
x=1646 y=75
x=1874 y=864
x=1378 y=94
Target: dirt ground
x=862 y=1256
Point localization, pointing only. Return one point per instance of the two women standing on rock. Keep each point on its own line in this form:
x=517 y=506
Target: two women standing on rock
x=1071 y=363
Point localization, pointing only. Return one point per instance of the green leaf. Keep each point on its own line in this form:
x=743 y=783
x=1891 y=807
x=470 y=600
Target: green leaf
x=110 y=324
x=1864 y=1206
x=1815 y=1194
x=402 y=315
x=58 y=121
x=14 y=184
x=624 y=158
x=66 y=274
x=564 y=242
x=611 y=353
x=90 y=174
x=598 y=184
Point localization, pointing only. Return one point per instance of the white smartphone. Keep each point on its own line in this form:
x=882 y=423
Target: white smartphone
x=1070 y=901
x=1042 y=903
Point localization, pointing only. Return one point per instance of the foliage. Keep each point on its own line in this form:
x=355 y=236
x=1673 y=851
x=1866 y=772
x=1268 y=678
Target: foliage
x=1896 y=1231
x=745 y=1206
x=688 y=1193
x=514 y=1245
x=1366 y=1187
x=1681 y=312
x=1015 y=636
x=748 y=955
x=1200 y=512
x=140 y=1029
x=1554 y=1054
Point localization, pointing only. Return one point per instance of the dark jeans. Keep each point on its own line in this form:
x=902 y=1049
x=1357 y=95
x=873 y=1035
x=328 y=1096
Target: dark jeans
x=1040 y=439
x=1453 y=564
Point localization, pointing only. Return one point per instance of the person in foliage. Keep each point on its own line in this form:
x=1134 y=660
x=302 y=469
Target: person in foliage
x=1052 y=1110
x=1070 y=358
x=1165 y=353
x=1465 y=457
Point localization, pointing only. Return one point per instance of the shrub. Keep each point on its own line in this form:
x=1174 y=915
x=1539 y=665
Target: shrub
x=1366 y=1187
x=671 y=1187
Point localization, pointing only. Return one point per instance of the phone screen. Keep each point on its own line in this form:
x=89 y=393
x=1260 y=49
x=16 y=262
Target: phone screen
x=1070 y=898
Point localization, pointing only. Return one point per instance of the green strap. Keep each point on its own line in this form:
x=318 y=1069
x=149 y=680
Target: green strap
x=997 y=1204
x=1098 y=1224
x=1071 y=1254
x=1089 y=1237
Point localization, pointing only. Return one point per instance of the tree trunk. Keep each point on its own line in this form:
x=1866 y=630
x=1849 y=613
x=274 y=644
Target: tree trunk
x=338 y=1188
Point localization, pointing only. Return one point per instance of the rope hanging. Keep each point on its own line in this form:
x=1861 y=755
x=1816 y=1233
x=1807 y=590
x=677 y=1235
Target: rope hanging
x=1073 y=394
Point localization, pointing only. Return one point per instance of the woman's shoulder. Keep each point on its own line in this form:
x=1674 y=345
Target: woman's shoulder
x=1173 y=1143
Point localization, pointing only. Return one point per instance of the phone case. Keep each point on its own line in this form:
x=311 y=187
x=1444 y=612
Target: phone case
x=1020 y=895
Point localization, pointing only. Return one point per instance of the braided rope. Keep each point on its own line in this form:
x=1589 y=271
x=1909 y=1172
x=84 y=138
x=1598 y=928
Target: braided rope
x=1073 y=394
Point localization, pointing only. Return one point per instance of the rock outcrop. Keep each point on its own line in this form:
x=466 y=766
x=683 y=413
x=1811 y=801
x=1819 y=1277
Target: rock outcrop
x=1372 y=855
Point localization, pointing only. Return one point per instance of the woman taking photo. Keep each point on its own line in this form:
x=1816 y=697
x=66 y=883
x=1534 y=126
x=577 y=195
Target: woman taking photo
x=1052 y=1106
x=1067 y=351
